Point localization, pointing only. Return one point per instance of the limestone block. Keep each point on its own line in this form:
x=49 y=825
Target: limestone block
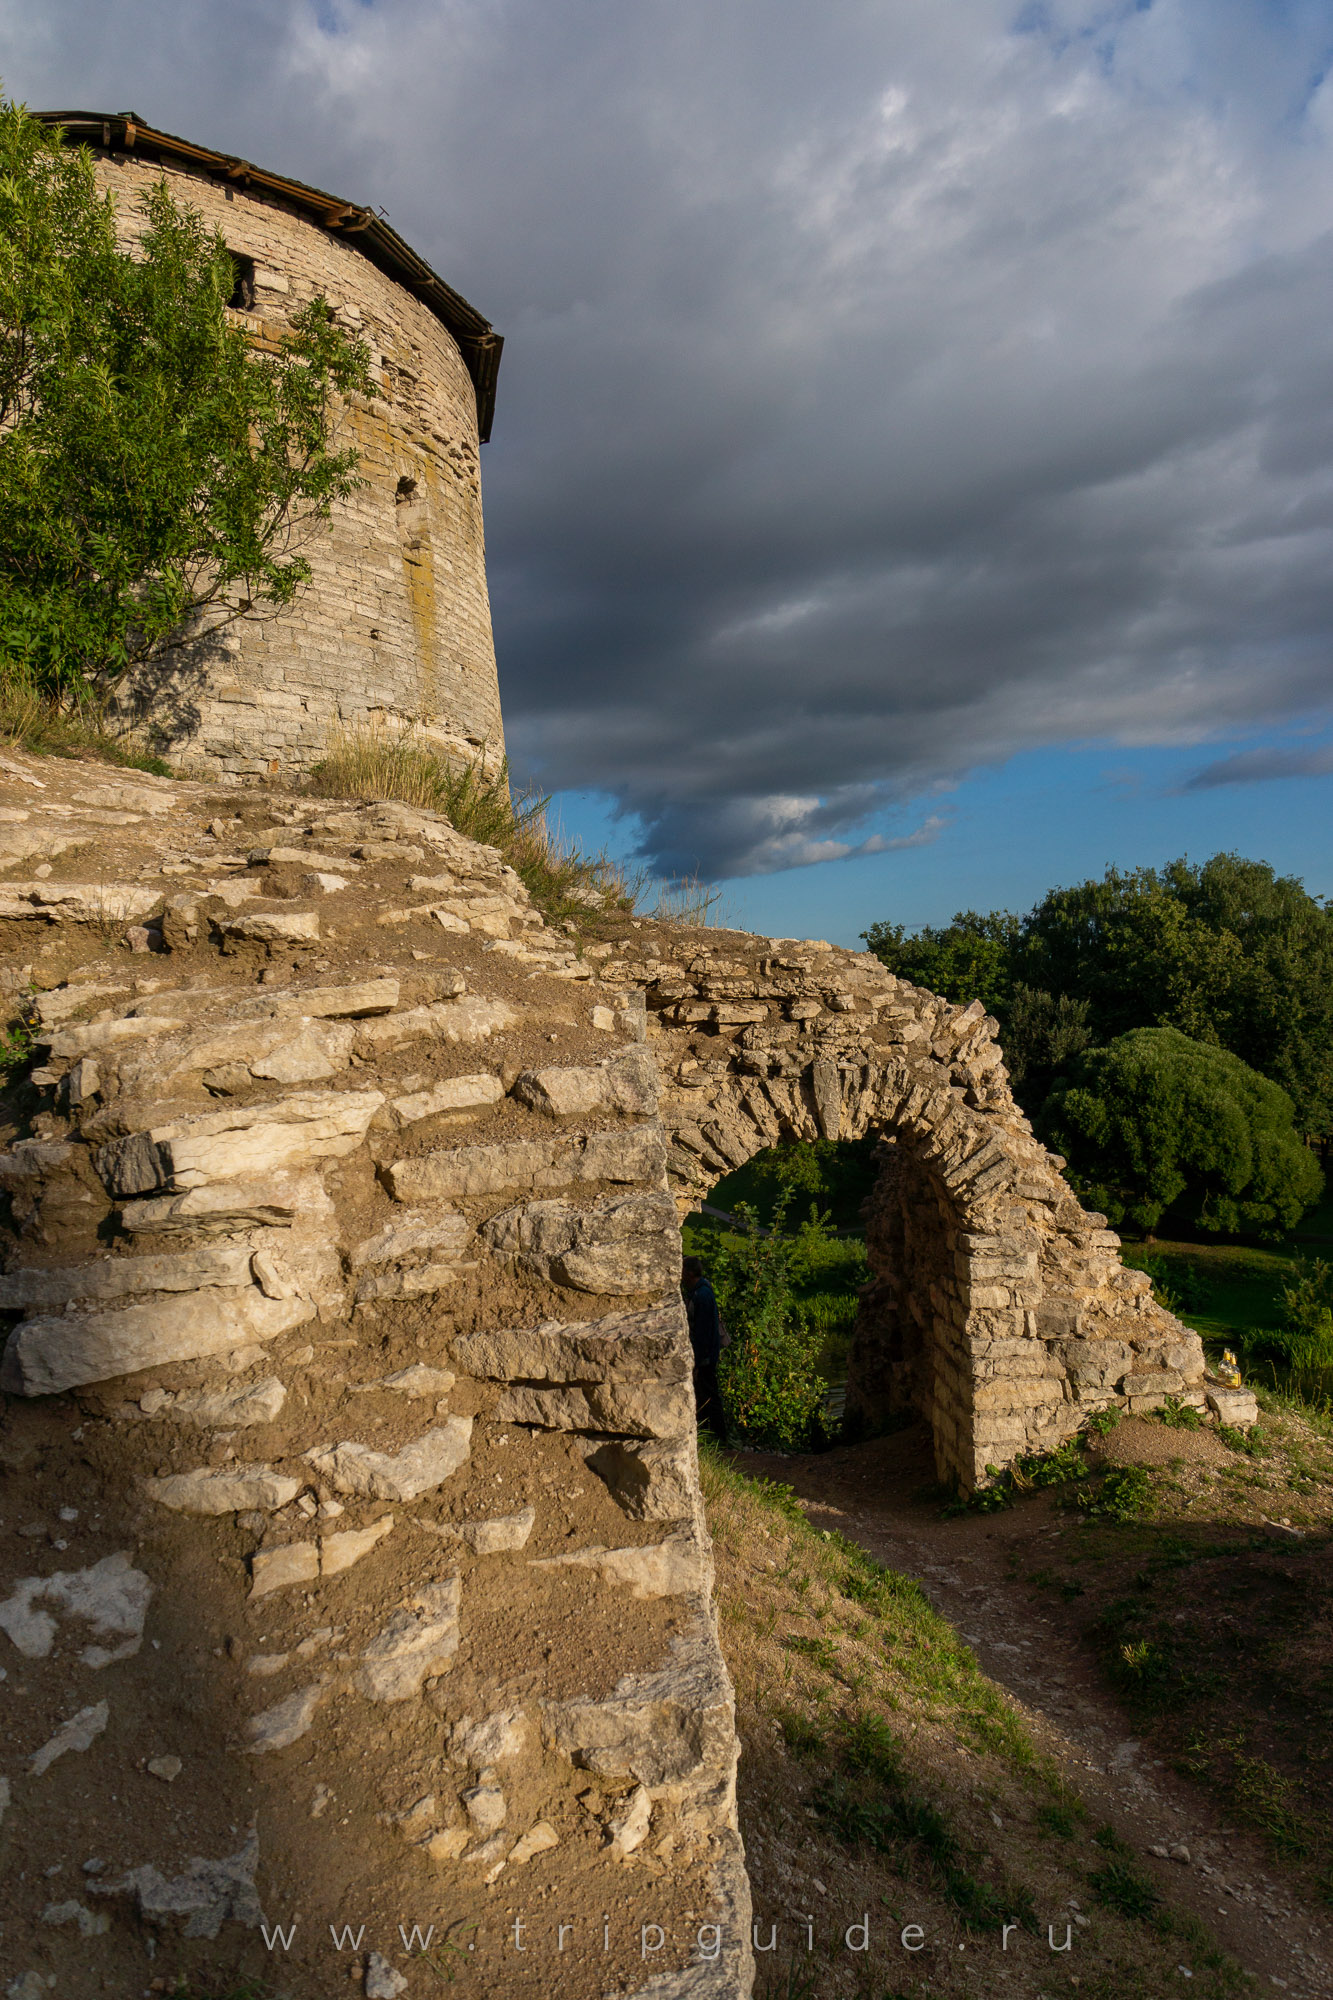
x=79 y=902
x=652 y=1345
x=110 y=1596
x=537 y=1840
x=653 y=1481
x=1237 y=1407
x=618 y=1246
x=122 y=1277
x=502 y=1532
x=224 y=1489
x=273 y=926
x=419 y=1282
x=303 y=1059
x=206 y=1894
x=228 y=1409
x=630 y=1083
x=280 y=1568
x=68 y=1044
x=493 y=1740
x=672 y=1727
x=259 y=1139
x=419 y=1380
x=277 y=1201
x=1151 y=1382
x=419 y=1640
x=656 y=1569
x=353 y=1002
x=418 y=1468
x=438 y=1230
x=44 y=1356
x=456 y=1093
x=641 y=1409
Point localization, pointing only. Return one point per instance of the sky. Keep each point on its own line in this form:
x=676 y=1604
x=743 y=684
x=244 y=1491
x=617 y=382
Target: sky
x=912 y=479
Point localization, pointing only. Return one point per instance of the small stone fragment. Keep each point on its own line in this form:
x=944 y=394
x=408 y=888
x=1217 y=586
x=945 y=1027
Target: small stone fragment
x=382 y=1982
x=320 y=1800
x=485 y=1804
x=630 y=1830
x=206 y=1893
x=658 y=1569
x=339 y=1552
x=536 y=1840
x=419 y=1380
x=278 y=1569
x=447 y=1844
x=274 y=1728
x=417 y=1819
x=166 y=1768
x=78 y=1733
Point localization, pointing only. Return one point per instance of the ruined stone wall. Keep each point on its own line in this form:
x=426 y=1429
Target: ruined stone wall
x=999 y=1308
x=354 y=1566
x=395 y=626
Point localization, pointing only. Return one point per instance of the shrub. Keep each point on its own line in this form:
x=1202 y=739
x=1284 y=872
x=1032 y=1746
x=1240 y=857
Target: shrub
x=1154 y=1120
x=158 y=477
x=770 y=1386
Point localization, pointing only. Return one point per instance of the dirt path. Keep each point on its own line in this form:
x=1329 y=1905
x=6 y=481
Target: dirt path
x=1034 y=1649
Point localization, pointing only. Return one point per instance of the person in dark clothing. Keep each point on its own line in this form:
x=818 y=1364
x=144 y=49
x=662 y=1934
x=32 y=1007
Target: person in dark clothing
x=706 y=1340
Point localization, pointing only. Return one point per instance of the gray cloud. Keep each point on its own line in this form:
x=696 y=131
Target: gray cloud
x=886 y=390
x=1254 y=767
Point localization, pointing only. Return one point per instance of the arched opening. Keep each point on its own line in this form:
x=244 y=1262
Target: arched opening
x=998 y=1308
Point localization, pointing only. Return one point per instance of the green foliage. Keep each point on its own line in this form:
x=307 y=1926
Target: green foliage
x=159 y=477
x=1227 y=952
x=1178 y=1416
x=1307 y=1330
x=836 y=1174
x=969 y=959
x=1125 y=1494
x=1154 y=1120
x=770 y=1387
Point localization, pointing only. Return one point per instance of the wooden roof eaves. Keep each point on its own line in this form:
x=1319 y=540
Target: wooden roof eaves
x=478 y=342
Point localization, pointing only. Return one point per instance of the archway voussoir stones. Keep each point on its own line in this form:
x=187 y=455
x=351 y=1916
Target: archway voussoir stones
x=998 y=1308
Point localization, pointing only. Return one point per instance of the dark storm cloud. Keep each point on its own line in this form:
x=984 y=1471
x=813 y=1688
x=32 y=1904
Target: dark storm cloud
x=886 y=390
x=1255 y=767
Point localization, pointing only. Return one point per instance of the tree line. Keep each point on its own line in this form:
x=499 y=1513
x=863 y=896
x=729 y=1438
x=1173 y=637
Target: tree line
x=1170 y=1031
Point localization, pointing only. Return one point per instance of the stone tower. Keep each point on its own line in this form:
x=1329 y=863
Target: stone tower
x=395 y=626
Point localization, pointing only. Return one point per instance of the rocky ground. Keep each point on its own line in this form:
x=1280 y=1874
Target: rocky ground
x=337 y=1636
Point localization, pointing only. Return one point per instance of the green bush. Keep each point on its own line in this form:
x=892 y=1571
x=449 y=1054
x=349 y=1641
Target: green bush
x=1154 y=1121
x=771 y=1389
x=158 y=475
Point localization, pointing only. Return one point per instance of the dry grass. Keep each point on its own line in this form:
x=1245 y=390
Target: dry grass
x=31 y=722
x=882 y=1773
x=479 y=803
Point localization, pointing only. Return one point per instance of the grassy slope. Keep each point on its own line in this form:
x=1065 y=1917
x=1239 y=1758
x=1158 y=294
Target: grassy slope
x=883 y=1773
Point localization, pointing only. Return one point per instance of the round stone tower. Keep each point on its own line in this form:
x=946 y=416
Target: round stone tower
x=394 y=629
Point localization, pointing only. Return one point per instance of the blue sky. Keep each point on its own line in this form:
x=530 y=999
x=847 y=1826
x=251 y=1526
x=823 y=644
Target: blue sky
x=913 y=465
x=1009 y=834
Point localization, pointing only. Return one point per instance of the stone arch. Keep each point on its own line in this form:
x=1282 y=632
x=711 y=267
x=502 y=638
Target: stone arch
x=999 y=1309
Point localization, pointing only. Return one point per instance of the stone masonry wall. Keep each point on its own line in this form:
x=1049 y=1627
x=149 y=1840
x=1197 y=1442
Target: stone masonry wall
x=395 y=626
x=999 y=1307
x=355 y=1575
